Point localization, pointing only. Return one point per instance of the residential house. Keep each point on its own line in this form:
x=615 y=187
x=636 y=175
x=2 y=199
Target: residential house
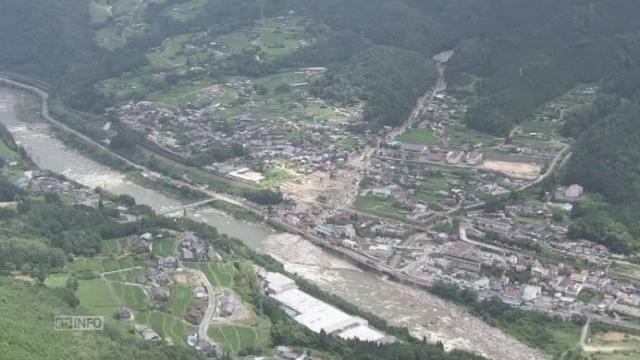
x=414 y=148
x=194 y=315
x=571 y=194
x=125 y=314
x=511 y=296
x=228 y=307
x=454 y=157
x=474 y=158
x=147 y=334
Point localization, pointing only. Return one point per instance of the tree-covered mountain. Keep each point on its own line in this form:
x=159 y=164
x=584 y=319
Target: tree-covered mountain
x=606 y=160
x=523 y=53
x=53 y=41
x=389 y=79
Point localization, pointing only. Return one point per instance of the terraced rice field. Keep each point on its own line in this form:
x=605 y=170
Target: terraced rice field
x=219 y=274
x=236 y=338
x=167 y=326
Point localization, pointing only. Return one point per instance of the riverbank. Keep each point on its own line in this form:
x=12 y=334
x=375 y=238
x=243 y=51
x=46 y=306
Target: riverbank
x=356 y=286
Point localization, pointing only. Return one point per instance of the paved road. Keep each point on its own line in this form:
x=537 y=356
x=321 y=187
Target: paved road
x=550 y=169
x=203 y=328
x=121 y=270
x=462 y=233
x=187 y=207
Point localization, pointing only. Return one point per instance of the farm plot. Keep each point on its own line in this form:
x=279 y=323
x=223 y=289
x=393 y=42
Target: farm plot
x=166 y=325
x=126 y=276
x=420 y=136
x=380 y=206
x=130 y=296
x=96 y=296
x=180 y=299
x=219 y=274
x=235 y=338
x=164 y=246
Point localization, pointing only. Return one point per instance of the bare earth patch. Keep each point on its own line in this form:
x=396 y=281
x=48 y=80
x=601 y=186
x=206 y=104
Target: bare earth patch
x=187 y=279
x=520 y=170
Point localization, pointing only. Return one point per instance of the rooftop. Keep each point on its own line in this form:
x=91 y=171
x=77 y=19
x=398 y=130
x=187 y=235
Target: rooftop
x=315 y=314
x=362 y=333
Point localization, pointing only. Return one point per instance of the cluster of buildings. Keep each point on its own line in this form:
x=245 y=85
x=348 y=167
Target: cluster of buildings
x=159 y=280
x=371 y=237
x=423 y=153
x=192 y=248
x=524 y=280
x=510 y=271
x=38 y=181
x=420 y=190
x=306 y=146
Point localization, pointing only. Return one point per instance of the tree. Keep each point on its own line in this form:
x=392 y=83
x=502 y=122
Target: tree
x=72 y=283
x=53 y=199
x=8 y=191
x=494 y=204
x=40 y=274
x=124 y=142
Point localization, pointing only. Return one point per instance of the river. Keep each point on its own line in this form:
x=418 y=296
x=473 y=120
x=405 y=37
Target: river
x=424 y=314
x=49 y=153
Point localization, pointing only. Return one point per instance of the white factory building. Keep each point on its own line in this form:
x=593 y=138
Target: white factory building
x=315 y=314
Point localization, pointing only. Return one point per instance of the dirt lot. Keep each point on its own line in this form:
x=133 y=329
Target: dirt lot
x=616 y=336
x=338 y=190
x=187 y=279
x=519 y=170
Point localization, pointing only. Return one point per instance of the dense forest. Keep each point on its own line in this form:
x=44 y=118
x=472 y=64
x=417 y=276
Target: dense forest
x=606 y=158
x=389 y=79
x=53 y=42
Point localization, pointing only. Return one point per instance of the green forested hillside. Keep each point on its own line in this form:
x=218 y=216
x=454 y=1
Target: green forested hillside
x=606 y=160
x=26 y=331
x=53 y=41
x=44 y=38
x=389 y=79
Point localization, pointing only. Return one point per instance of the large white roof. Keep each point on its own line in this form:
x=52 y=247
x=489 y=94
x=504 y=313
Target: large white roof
x=362 y=333
x=278 y=282
x=315 y=314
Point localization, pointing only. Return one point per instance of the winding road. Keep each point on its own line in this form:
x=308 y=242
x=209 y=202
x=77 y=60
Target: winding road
x=203 y=328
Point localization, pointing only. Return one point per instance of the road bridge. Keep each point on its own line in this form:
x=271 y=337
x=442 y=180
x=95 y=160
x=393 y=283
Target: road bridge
x=186 y=207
